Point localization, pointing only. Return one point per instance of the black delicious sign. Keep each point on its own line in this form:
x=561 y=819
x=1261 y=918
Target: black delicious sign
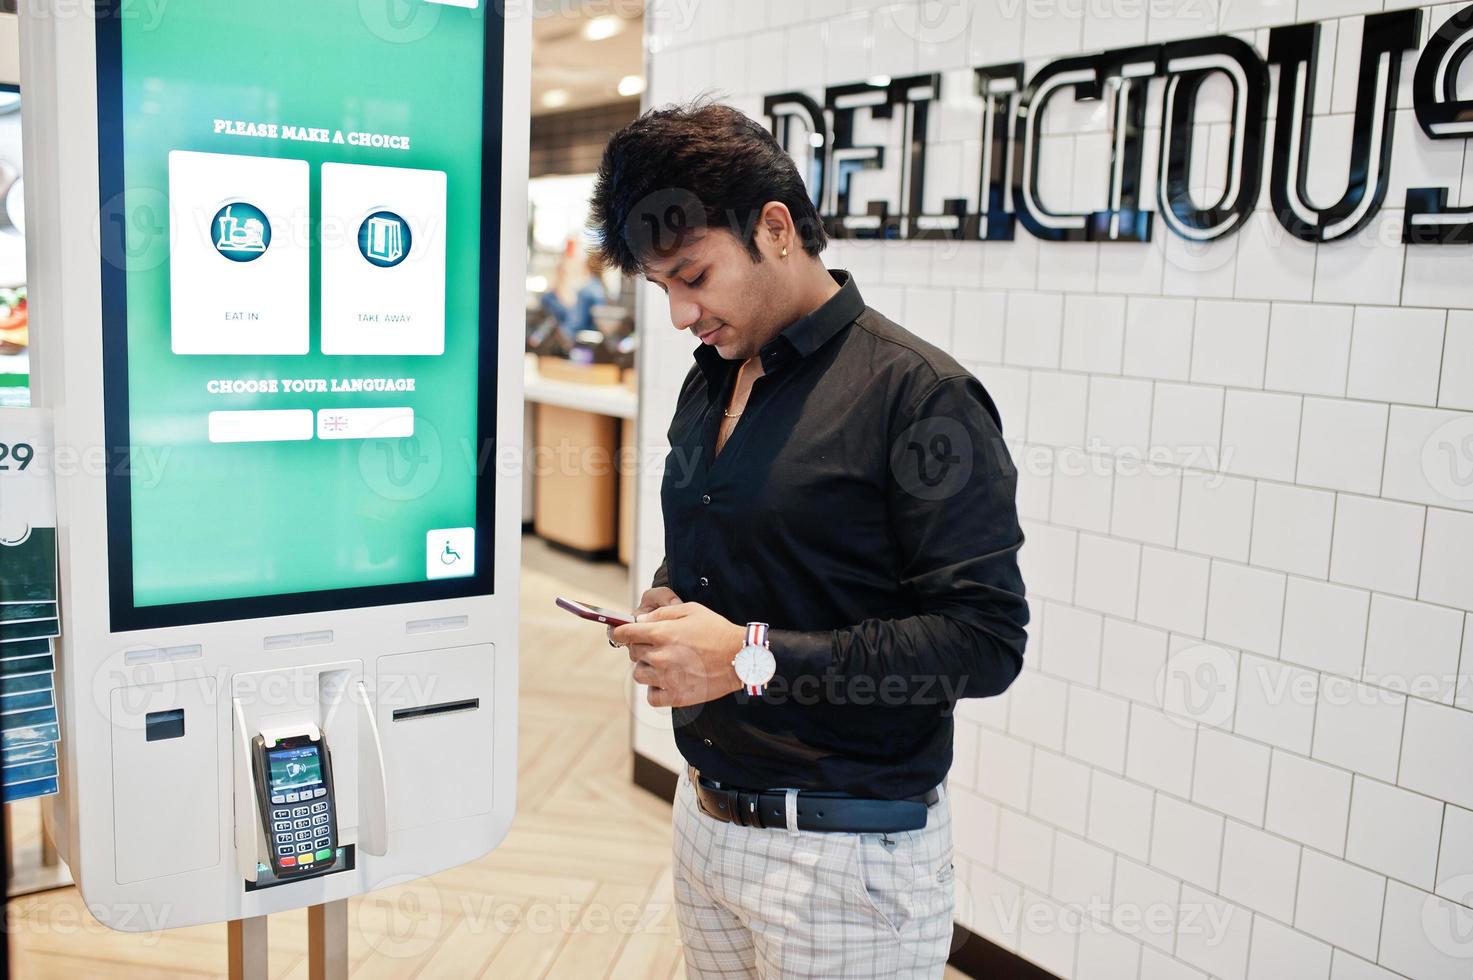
x=1007 y=188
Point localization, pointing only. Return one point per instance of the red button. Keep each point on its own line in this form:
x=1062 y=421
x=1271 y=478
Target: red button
x=288 y=862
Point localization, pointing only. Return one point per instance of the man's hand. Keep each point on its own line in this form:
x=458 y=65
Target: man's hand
x=683 y=651
x=651 y=600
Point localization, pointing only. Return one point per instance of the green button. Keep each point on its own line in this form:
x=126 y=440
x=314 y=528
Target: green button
x=324 y=854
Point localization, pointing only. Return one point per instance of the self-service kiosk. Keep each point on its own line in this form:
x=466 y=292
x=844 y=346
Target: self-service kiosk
x=277 y=297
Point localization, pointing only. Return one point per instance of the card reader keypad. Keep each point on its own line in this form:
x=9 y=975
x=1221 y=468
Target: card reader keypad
x=301 y=829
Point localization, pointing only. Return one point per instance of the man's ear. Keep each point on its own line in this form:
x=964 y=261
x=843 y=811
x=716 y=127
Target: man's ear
x=775 y=226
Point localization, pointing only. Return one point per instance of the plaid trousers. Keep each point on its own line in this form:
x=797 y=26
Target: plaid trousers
x=776 y=903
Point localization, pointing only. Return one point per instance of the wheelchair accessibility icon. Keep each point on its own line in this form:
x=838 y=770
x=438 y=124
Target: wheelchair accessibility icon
x=450 y=552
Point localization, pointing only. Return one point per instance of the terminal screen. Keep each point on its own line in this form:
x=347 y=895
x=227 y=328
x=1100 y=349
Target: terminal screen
x=299 y=234
x=291 y=769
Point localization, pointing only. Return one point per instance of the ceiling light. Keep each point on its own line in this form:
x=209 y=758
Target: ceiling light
x=555 y=98
x=631 y=85
x=603 y=27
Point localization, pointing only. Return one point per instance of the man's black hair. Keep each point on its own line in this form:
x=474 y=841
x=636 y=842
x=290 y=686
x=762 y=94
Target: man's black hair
x=678 y=170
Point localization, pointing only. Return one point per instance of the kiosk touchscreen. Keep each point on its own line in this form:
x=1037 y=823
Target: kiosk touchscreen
x=280 y=319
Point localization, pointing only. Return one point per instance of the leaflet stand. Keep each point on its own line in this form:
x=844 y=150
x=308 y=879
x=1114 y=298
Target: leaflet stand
x=327 y=944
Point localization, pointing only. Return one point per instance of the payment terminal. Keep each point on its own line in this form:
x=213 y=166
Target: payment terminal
x=293 y=775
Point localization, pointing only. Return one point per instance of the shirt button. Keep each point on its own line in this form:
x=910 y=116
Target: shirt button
x=708 y=743
x=705 y=581
x=705 y=498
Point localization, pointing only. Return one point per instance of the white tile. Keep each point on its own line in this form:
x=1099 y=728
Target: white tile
x=1150 y=892
x=1339 y=903
x=1009 y=390
x=1435 y=749
x=1081 y=490
x=1364 y=268
x=1358 y=727
x=963 y=770
x=1004 y=767
x=1186 y=423
x=1173 y=592
x=1047 y=560
x=1272 y=264
x=1344 y=966
x=1096 y=729
x=1276 y=703
x=1412 y=647
x=1279 y=951
x=976 y=822
x=978 y=332
x=1245 y=607
x=928 y=315
x=1034 y=326
x=1108 y=575
x=1083 y=872
x=1308 y=802
x=1094 y=334
x=1108 y=26
x=1341 y=444
x=1216 y=515
x=1434 y=277
x=1455 y=860
x=1309 y=348
x=1037 y=711
x=1056 y=408
x=1447 y=574
x=1144 y=503
x=1260 y=434
x=1024 y=849
x=1325 y=626
x=1158 y=338
x=1456 y=390
x=1394 y=832
x=1053 y=35
x=1424 y=936
x=1429 y=455
x=1221 y=950
x=1060 y=793
x=1132 y=661
x=1049 y=935
x=1291 y=529
x=1156 y=965
x=1133 y=268
x=1378 y=544
x=994 y=911
x=1186 y=841
x=1072 y=647
x=1259 y=870
x=1119 y=415
x=1160 y=751
x=996 y=35
x=1035 y=466
x=1200 y=683
x=1396 y=355
x=1120 y=814
x=1230 y=344
x=1107 y=955
x=1231 y=775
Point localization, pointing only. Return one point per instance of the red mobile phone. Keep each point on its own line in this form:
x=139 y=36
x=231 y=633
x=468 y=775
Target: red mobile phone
x=596 y=614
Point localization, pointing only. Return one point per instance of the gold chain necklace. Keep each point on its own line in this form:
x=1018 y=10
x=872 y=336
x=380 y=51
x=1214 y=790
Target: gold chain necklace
x=737 y=415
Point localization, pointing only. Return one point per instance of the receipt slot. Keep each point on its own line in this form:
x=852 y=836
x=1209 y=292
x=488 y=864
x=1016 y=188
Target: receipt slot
x=278 y=323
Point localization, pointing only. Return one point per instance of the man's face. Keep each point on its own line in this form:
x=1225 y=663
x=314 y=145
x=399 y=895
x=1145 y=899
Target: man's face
x=720 y=295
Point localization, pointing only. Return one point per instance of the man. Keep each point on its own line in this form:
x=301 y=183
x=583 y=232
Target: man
x=841 y=544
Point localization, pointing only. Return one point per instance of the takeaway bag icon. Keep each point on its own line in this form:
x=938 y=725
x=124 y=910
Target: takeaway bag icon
x=384 y=239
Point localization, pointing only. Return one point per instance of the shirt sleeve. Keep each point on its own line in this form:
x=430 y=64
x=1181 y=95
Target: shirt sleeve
x=661 y=579
x=951 y=497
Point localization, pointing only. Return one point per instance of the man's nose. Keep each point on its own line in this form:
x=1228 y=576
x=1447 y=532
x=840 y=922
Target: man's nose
x=684 y=313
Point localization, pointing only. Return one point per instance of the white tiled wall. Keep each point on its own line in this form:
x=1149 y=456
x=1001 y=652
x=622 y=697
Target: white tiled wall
x=1243 y=744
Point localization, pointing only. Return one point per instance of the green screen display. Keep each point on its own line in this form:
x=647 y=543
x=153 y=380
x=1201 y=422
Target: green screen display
x=302 y=257
x=294 y=768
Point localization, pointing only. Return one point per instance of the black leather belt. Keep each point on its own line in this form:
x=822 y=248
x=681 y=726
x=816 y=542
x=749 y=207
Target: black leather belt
x=835 y=812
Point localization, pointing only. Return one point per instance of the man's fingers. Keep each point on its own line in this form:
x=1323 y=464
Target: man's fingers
x=677 y=610
x=632 y=633
x=658 y=697
x=645 y=674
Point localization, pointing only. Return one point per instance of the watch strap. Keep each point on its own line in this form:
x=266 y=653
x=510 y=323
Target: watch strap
x=756 y=634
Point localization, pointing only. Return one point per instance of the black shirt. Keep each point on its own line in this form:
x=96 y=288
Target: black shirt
x=863 y=507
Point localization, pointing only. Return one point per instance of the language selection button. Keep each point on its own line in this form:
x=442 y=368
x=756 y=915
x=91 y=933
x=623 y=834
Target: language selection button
x=365 y=423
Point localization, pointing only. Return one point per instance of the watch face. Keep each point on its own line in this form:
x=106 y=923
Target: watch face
x=755 y=665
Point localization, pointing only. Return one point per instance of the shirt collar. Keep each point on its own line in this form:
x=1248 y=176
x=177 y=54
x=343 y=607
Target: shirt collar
x=801 y=338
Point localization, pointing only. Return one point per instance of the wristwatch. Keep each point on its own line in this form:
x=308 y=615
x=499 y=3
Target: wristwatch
x=754 y=662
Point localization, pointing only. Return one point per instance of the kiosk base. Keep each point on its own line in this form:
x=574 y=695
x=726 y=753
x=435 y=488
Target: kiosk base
x=327 y=944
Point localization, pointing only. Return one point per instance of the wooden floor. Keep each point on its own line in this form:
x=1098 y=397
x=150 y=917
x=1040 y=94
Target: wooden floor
x=580 y=889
